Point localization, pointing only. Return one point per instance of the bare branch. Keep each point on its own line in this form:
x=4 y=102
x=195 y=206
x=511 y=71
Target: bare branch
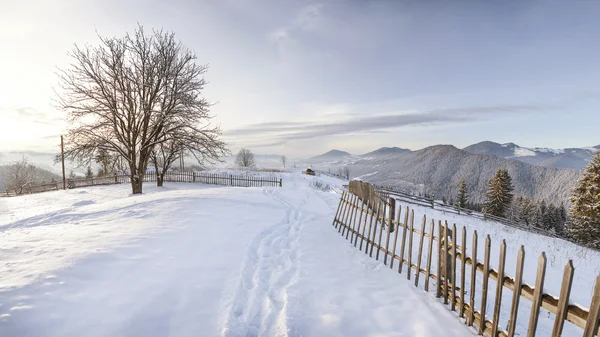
x=129 y=95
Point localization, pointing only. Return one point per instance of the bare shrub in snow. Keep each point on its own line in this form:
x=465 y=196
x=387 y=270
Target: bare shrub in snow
x=245 y=159
x=17 y=175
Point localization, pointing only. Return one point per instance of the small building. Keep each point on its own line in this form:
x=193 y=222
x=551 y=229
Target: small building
x=309 y=171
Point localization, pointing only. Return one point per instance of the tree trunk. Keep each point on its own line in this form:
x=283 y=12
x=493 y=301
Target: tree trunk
x=136 y=184
x=160 y=178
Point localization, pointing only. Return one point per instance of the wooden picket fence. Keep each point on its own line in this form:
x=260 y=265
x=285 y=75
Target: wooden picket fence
x=188 y=177
x=378 y=230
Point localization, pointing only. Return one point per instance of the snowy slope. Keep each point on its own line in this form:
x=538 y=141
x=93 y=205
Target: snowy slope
x=198 y=260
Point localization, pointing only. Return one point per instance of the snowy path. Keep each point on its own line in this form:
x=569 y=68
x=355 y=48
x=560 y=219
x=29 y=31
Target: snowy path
x=196 y=261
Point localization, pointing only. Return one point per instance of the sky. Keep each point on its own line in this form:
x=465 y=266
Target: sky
x=299 y=78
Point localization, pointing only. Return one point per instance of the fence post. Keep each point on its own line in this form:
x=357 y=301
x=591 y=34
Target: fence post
x=280 y=182
x=538 y=291
x=591 y=325
x=231 y=180
x=194 y=176
x=432 y=200
x=563 y=300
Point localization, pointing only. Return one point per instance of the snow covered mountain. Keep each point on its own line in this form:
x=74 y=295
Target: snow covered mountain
x=572 y=158
x=331 y=156
x=439 y=170
x=385 y=151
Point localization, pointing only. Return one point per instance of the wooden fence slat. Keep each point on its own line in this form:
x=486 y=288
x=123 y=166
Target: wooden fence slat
x=350 y=216
x=335 y=218
x=372 y=230
x=484 y=288
x=402 y=245
x=396 y=237
x=376 y=218
x=410 y=241
x=389 y=228
x=381 y=229
x=463 y=262
x=356 y=227
x=591 y=326
x=563 y=299
x=346 y=212
x=514 y=310
x=353 y=217
x=344 y=204
x=537 y=296
x=499 y=287
x=362 y=211
x=440 y=261
x=362 y=237
x=369 y=212
x=420 y=250
x=429 y=252
x=453 y=270
x=445 y=263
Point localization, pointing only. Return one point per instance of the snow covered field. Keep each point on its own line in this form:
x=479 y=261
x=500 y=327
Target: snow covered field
x=198 y=260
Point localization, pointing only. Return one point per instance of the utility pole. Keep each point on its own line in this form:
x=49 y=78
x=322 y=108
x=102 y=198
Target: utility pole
x=62 y=157
x=181 y=162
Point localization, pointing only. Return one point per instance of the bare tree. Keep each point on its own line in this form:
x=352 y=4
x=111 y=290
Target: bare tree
x=346 y=172
x=130 y=94
x=18 y=175
x=245 y=158
x=283 y=160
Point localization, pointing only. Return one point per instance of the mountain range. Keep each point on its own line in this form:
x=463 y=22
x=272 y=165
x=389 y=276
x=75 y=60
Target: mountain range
x=538 y=173
x=572 y=158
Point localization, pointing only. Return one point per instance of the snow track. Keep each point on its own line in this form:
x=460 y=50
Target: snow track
x=271 y=267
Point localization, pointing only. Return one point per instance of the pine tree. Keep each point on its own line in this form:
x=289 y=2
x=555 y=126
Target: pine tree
x=499 y=193
x=550 y=220
x=540 y=215
x=462 y=194
x=89 y=174
x=527 y=211
x=584 y=225
x=562 y=212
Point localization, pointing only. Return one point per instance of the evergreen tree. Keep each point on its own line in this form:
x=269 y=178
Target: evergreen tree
x=499 y=193
x=550 y=220
x=89 y=174
x=584 y=225
x=540 y=215
x=562 y=212
x=527 y=211
x=462 y=194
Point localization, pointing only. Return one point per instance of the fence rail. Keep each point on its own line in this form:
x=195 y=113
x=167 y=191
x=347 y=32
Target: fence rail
x=189 y=177
x=453 y=209
x=32 y=188
x=446 y=258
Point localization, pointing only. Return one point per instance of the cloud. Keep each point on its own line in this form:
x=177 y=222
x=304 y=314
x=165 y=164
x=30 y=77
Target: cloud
x=305 y=20
x=29 y=113
x=279 y=133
